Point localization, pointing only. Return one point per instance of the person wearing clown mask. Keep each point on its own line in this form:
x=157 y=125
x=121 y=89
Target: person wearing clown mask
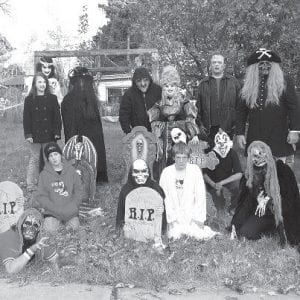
x=185 y=199
x=174 y=110
x=227 y=173
x=139 y=176
x=22 y=243
x=269 y=200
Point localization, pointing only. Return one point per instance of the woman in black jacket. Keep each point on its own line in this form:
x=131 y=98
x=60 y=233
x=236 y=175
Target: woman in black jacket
x=41 y=123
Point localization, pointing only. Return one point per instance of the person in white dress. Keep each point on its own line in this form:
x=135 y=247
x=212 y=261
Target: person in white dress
x=185 y=199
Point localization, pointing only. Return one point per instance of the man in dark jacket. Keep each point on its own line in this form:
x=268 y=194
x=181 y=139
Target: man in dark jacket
x=137 y=100
x=269 y=103
x=217 y=97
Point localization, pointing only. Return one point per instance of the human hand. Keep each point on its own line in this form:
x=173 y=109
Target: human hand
x=292 y=137
x=218 y=187
x=57 y=137
x=39 y=245
x=29 y=140
x=241 y=141
x=195 y=140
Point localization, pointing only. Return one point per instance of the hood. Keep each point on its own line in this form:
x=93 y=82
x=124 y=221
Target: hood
x=30 y=211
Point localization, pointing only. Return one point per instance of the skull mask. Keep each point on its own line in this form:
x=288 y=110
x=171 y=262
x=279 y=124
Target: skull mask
x=223 y=143
x=178 y=135
x=140 y=171
x=30 y=228
x=259 y=156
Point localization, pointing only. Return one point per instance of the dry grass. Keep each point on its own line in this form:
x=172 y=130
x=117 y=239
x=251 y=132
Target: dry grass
x=104 y=258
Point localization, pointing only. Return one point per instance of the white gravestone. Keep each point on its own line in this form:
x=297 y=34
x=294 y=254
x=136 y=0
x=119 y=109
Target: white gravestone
x=143 y=215
x=11 y=204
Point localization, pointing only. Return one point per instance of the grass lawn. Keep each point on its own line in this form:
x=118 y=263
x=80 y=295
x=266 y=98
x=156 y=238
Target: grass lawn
x=103 y=258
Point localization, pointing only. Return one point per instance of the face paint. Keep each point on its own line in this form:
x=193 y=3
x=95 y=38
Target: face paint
x=178 y=135
x=140 y=171
x=30 y=228
x=46 y=68
x=259 y=157
x=169 y=90
x=223 y=143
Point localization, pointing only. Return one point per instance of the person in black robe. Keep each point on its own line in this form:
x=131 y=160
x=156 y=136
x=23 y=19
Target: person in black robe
x=138 y=176
x=269 y=200
x=80 y=114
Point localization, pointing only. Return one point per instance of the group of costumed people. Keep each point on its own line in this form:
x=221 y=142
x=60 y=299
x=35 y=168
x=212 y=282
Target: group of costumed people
x=264 y=199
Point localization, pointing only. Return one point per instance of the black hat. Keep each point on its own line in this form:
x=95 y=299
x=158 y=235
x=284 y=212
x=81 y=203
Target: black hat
x=79 y=72
x=263 y=54
x=52 y=147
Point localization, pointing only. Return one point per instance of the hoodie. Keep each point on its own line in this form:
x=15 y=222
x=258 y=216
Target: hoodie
x=59 y=194
x=135 y=104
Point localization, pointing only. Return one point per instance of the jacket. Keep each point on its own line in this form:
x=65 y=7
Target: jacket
x=59 y=194
x=41 y=118
x=229 y=94
x=135 y=104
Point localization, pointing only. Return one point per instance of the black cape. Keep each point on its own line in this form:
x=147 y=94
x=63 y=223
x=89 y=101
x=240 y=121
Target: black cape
x=126 y=189
x=290 y=200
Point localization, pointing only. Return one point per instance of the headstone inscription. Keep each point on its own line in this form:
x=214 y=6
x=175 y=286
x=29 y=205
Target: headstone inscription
x=143 y=215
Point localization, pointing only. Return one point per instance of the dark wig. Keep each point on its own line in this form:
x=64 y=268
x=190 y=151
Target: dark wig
x=46 y=60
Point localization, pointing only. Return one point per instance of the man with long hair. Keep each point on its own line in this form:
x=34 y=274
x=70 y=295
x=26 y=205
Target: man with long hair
x=268 y=100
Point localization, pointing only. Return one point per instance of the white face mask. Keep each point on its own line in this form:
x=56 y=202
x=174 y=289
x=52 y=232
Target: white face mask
x=223 y=143
x=140 y=171
x=178 y=135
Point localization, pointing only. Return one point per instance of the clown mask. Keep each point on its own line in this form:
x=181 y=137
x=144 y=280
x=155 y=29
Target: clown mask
x=223 y=143
x=30 y=228
x=140 y=171
x=178 y=135
x=258 y=156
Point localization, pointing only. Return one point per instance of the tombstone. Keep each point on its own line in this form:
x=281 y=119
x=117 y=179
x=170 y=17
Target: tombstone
x=139 y=143
x=81 y=151
x=11 y=204
x=203 y=160
x=143 y=215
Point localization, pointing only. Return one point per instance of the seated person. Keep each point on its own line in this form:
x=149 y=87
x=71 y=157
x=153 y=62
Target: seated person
x=269 y=198
x=139 y=176
x=60 y=191
x=227 y=173
x=185 y=196
x=22 y=243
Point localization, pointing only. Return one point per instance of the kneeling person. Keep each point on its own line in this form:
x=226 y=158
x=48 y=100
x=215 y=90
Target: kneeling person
x=60 y=191
x=22 y=243
x=185 y=196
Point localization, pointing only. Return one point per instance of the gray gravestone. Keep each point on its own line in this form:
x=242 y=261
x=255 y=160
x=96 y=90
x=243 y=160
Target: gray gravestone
x=139 y=143
x=143 y=215
x=11 y=204
x=203 y=160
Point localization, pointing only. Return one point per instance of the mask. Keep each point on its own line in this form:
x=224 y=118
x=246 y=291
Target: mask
x=30 y=228
x=259 y=157
x=223 y=143
x=140 y=171
x=178 y=135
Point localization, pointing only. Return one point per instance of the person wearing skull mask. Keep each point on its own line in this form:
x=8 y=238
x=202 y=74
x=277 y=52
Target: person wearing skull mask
x=139 y=176
x=269 y=101
x=269 y=198
x=60 y=191
x=226 y=174
x=185 y=199
x=22 y=243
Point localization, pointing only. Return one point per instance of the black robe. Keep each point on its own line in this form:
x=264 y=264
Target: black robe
x=75 y=123
x=126 y=189
x=290 y=200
